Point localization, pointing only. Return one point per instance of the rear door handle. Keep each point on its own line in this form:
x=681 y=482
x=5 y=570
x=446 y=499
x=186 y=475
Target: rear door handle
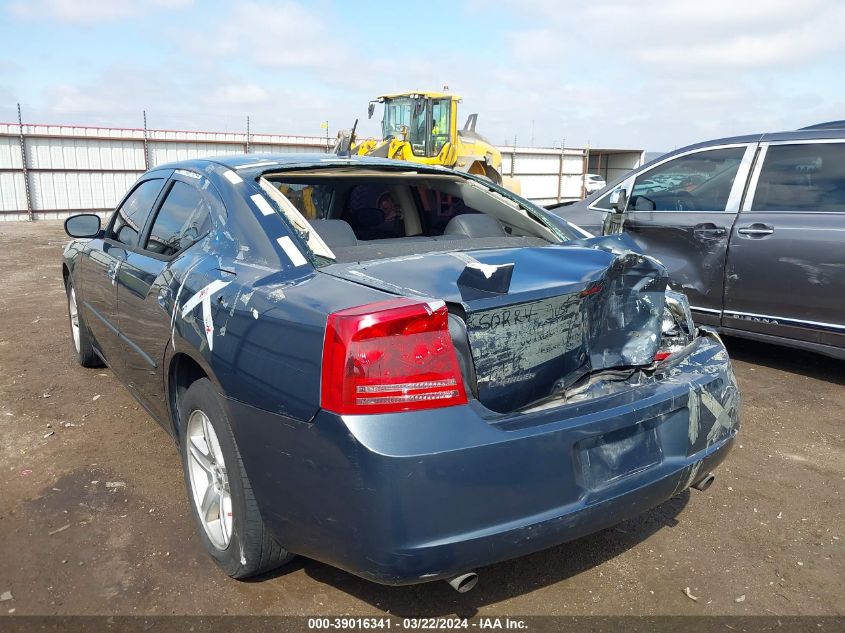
x=757 y=229
x=708 y=229
x=112 y=272
x=164 y=297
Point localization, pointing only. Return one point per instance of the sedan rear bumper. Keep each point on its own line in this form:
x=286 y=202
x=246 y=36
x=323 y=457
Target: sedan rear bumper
x=413 y=497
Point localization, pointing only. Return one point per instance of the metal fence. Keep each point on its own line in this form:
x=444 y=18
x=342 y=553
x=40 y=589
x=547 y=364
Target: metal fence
x=546 y=175
x=51 y=171
x=549 y=175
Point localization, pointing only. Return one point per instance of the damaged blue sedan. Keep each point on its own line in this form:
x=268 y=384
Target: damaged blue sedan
x=402 y=371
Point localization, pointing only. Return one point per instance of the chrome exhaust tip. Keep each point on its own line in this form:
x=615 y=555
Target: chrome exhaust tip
x=464 y=582
x=705 y=482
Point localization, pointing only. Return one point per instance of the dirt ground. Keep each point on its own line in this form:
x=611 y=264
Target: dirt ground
x=94 y=516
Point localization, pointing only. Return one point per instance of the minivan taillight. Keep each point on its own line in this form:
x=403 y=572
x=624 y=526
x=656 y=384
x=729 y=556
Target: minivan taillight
x=394 y=355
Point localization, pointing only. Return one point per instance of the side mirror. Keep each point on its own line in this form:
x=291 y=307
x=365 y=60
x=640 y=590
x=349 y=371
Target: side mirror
x=370 y=109
x=618 y=201
x=83 y=225
x=615 y=218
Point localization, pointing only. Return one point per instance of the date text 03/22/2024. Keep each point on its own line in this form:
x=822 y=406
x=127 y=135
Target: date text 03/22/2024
x=439 y=624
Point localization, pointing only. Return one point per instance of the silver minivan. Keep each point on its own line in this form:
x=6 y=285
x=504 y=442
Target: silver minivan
x=751 y=228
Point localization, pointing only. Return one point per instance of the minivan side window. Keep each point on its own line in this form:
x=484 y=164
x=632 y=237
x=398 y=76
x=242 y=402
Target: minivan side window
x=695 y=182
x=133 y=213
x=184 y=218
x=802 y=177
x=603 y=203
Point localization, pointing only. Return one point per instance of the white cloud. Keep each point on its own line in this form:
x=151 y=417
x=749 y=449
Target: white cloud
x=8 y=66
x=670 y=72
x=614 y=73
x=8 y=101
x=88 y=11
x=238 y=95
x=71 y=100
x=175 y=96
x=272 y=35
x=117 y=95
x=531 y=46
x=785 y=44
x=692 y=35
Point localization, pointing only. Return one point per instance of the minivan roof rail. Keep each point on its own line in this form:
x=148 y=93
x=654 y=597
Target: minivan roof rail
x=828 y=125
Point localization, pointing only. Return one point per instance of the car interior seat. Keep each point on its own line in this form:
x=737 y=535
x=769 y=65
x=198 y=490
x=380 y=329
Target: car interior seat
x=335 y=233
x=474 y=225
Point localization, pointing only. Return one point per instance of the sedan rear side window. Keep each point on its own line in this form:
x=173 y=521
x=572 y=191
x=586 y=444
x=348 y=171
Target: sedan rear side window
x=184 y=217
x=696 y=182
x=805 y=177
x=133 y=213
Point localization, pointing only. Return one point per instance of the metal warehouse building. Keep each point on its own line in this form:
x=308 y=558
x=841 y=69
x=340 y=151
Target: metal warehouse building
x=50 y=171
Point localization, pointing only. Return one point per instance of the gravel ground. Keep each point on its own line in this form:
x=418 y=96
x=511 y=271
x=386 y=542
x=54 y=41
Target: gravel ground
x=94 y=516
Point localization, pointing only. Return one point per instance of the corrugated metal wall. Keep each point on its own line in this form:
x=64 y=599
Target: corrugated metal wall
x=73 y=168
x=546 y=175
x=12 y=193
x=612 y=164
x=74 y=153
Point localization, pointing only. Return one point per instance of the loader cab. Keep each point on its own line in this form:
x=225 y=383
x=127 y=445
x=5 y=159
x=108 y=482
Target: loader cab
x=425 y=121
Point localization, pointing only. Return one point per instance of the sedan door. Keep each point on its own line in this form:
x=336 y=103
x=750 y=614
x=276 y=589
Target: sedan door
x=786 y=262
x=101 y=261
x=145 y=294
x=681 y=211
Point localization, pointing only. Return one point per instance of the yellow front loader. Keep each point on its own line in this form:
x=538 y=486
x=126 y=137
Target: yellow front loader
x=422 y=127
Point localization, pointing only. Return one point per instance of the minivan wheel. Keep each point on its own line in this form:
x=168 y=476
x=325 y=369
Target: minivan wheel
x=81 y=338
x=219 y=491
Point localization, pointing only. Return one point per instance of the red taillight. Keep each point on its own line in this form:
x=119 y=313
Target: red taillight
x=590 y=290
x=394 y=355
x=661 y=355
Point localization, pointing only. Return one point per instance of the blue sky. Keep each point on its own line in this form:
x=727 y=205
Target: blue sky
x=613 y=73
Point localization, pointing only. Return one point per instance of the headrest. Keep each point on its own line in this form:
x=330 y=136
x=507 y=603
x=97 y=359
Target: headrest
x=334 y=232
x=368 y=217
x=474 y=225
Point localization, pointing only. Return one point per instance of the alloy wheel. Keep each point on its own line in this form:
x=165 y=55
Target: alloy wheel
x=209 y=480
x=74 y=317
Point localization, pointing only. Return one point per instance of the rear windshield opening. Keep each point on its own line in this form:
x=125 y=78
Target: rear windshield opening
x=364 y=214
x=378 y=210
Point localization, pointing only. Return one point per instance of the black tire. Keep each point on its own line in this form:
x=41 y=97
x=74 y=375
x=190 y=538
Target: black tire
x=84 y=348
x=251 y=549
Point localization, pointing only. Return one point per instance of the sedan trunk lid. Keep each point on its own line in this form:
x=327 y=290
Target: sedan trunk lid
x=536 y=319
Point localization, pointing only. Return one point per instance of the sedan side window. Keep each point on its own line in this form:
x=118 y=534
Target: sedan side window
x=803 y=177
x=696 y=182
x=313 y=201
x=184 y=218
x=133 y=213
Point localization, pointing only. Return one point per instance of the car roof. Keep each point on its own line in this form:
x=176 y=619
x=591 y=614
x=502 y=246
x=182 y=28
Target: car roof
x=282 y=161
x=827 y=125
x=828 y=130
x=832 y=129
